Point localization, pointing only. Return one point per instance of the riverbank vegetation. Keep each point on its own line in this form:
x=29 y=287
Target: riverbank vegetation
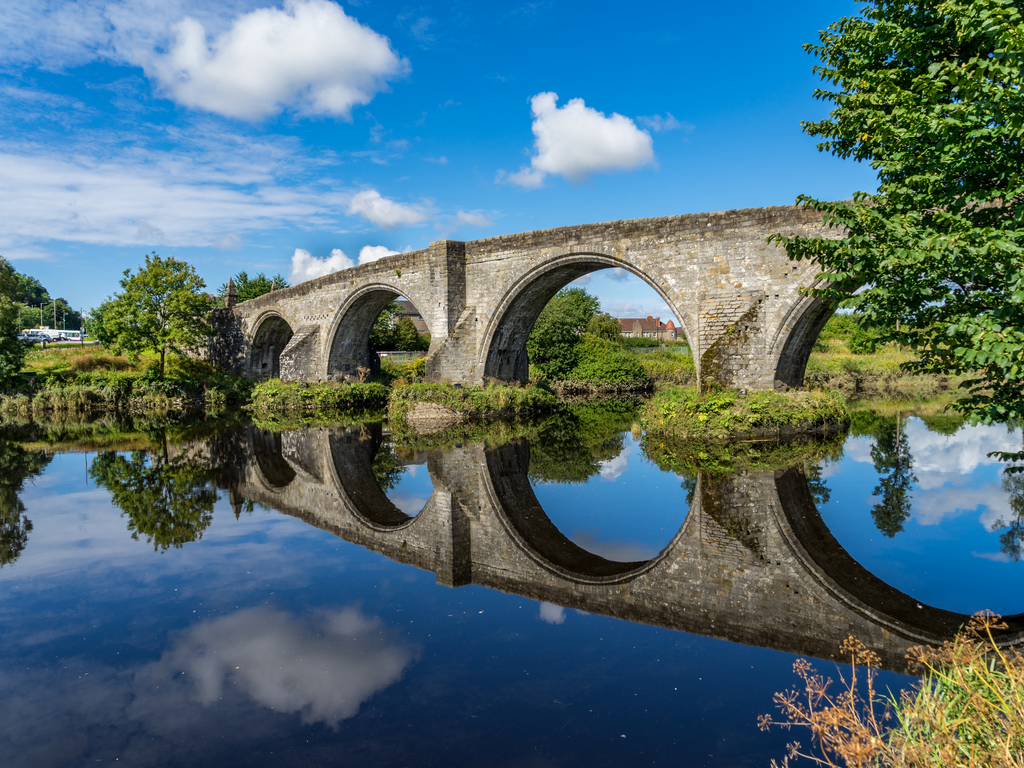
x=967 y=708
x=717 y=414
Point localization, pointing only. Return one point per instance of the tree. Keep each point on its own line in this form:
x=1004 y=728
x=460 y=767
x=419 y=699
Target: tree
x=16 y=466
x=170 y=502
x=12 y=351
x=382 y=335
x=161 y=308
x=407 y=337
x=605 y=326
x=931 y=94
x=251 y=287
x=895 y=466
x=552 y=345
x=1012 y=538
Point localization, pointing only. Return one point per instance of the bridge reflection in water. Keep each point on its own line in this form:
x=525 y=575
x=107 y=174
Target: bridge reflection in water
x=752 y=561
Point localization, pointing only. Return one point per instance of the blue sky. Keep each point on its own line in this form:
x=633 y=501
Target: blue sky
x=306 y=136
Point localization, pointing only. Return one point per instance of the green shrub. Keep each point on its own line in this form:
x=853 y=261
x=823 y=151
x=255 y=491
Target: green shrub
x=667 y=366
x=640 y=341
x=605 y=362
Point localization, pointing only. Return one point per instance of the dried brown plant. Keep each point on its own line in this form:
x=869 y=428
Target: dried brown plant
x=364 y=373
x=966 y=710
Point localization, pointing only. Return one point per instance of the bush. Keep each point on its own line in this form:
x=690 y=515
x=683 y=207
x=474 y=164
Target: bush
x=605 y=362
x=633 y=343
x=671 y=367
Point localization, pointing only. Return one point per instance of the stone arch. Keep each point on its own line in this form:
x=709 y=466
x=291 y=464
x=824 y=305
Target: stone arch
x=526 y=523
x=275 y=473
x=349 y=337
x=272 y=335
x=352 y=453
x=822 y=556
x=504 y=342
x=795 y=339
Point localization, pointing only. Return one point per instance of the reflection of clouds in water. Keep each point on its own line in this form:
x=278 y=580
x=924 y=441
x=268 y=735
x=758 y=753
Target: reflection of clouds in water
x=323 y=672
x=611 y=469
x=943 y=465
x=411 y=505
x=937 y=457
x=830 y=470
x=998 y=557
x=618 y=551
x=552 y=614
x=411 y=469
x=155 y=715
x=933 y=506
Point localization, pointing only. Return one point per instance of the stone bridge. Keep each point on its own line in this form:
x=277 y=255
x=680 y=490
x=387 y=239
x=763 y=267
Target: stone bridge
x=752 y=561
x=737 y=298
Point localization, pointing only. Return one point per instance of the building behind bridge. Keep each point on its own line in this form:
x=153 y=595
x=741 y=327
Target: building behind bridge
x=649 y=328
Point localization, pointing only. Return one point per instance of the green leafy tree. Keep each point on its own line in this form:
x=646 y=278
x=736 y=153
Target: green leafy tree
x=605 y=326
x=408 y=338
x=552 y=345
x=16 y=466
x=12 y=351
x=169 y=502
x=387 y=468
x=161 y=308
x=96 y=327
x=30 y=291
x=251 y=287
x=382 y=335
x=930 y=93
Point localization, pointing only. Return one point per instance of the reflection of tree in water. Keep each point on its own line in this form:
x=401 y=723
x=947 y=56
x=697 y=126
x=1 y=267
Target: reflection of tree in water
x=1012 y=539
x=572 y=445
x=170 y=502
x=387 y=468
x=895 y=465
x=16 y=466
x=816 y=484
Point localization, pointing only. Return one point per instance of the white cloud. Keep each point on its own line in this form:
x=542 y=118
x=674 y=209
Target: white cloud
x=310 y=57
x=636 y=309
x=383 y=212
x=576 y=141
x=306 y=266
x=613 y=468
x=229 y=243
x=473 y=219
x=617 y=551
x=552 y=614
x=657 y=123
x=370 y=253
x=324 y=672
x=108 y=195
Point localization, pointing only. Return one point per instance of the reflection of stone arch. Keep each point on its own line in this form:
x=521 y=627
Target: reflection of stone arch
x=349 y=336
x=271 y=337
x=352 y=454
x=273 y=470
x=818 y=552
x=525 y=521
x=504 y=340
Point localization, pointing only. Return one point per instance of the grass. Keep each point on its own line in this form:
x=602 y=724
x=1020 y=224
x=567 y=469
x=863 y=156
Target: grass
x=723 y=413
x=298 y=398
x=875 y=375
x=967 y=709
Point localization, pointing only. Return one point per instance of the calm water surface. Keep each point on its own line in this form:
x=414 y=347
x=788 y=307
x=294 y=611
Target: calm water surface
x=323 y=598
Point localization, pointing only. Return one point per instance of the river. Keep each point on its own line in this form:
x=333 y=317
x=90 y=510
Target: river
x=567 y=594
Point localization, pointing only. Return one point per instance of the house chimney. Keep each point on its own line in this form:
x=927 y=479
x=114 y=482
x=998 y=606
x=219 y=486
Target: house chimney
x=231 y=294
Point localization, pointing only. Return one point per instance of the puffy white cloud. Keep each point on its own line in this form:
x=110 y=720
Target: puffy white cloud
x=370 y=253
x=323 y=671
x=618 y=551
x=552 y=614
x=310 y=57
x=384 y=212
x=576 y=141
x=306 y=266
x=473 y=219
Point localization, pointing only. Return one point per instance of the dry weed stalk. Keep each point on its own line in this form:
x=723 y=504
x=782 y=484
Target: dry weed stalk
x=967 y=709
x=364 y=373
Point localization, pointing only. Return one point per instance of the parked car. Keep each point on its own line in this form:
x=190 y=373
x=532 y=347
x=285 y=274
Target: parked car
x=33 y=338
